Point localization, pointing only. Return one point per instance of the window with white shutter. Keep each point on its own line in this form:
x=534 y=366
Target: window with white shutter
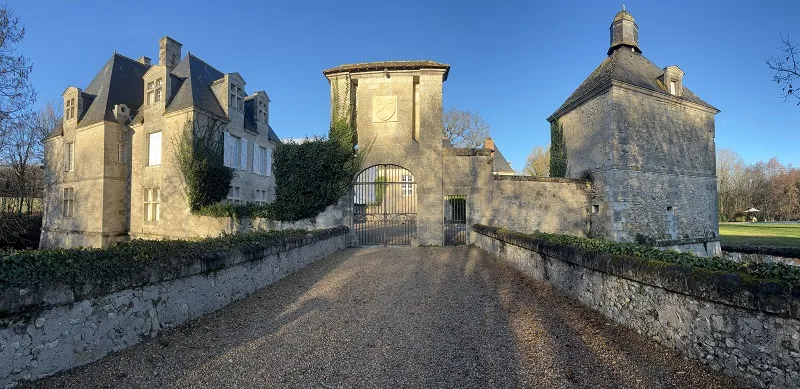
x=257 y=158
x=269 y=162
x=154 y=149
x=226 y=148
x=69 y=157
x=244 y=154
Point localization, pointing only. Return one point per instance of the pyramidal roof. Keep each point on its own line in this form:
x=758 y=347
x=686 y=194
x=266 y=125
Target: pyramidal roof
x=118 y=82
x=195 y=77
x=630 y=67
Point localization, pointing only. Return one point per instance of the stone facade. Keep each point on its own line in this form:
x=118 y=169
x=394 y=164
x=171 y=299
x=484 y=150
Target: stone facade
x=49 y=330
x=750 y=332
x=119 y=136
x=647 y=142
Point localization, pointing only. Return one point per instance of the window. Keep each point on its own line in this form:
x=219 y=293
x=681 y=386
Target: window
x=232 y=149
x=154 y=91
x=152 y=204
x=261 y=196
x=673 y=87
x=595 y=208
x=69 y=157
x=68 y=207
x=154 y=149
x=262 y=111
x=121 y=147
x=69 y=109
x=243 y=154
x=261 y=163
x=408 y=189
x=237 y=94
x=268 y=167
x=235 y=194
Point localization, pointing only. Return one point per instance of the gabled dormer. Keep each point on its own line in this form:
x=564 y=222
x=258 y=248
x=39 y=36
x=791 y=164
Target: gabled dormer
x=73 y=106
x=673 y=80
x=261 y=111
x=230 y=92
x=156 y=88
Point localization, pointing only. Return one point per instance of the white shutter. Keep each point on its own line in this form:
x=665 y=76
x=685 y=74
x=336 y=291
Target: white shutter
x=244 y=154
x=226 y=148
x=154 y=146
x=269 y=162
x=256 y=159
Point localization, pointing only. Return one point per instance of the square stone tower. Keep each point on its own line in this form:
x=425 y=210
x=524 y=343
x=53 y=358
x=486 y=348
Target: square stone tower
x=396 y=109
x=647 y=142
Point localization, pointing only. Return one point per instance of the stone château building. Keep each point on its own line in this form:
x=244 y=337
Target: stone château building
x=112 y=164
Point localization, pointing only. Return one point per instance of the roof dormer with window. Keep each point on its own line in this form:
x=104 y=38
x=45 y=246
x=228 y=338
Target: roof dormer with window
x=73 y=106
x=156 y=88
x=673 y=80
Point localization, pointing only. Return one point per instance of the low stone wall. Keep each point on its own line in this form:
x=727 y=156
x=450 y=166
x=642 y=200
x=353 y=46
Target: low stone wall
x=748 y=330
x=759 y=258
x=48 y=330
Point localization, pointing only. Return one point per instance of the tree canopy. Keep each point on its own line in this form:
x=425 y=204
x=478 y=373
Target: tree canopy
x=464 y=128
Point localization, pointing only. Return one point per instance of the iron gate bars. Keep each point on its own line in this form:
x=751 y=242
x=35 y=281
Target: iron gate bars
x=384 y=206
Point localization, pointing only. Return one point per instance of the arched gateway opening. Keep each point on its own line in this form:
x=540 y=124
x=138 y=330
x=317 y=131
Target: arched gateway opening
x=384 y=206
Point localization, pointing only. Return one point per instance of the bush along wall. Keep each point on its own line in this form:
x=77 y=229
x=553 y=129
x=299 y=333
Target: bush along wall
x=64 y=308
x=739 y=318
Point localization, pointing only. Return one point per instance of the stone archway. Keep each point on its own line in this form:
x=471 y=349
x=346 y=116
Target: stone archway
x=384 y=206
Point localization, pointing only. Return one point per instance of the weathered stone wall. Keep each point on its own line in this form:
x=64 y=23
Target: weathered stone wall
x=746 y=330
x=759 y=258
x=528 y=204
x=652 y=162
x=48 y=330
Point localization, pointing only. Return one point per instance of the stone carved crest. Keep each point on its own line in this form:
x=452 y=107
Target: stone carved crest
x=384 y=109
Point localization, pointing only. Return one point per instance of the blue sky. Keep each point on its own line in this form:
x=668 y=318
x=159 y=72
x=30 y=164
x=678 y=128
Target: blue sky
x=514 y=62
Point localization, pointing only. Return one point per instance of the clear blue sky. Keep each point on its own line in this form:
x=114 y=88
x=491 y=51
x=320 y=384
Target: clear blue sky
x=514 y=62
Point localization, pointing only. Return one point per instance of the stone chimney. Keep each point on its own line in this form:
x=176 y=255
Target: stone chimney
x=489 y=144
x=143 y=60
x=169 y=52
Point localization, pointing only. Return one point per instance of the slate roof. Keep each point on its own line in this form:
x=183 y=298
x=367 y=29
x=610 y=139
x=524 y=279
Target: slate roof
x=195 y=90
x=118 y=82
x=500 y=165
x=632 y=68
x=389 y=65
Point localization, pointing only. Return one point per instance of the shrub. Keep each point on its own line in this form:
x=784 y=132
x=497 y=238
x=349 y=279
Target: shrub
x=200 y=155
x=81 y=266
x=776 y=271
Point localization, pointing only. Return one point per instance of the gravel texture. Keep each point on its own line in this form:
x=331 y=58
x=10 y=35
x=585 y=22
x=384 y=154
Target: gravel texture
x=399 y=317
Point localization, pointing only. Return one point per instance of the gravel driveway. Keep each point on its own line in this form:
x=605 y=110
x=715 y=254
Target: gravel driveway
x=398 y=317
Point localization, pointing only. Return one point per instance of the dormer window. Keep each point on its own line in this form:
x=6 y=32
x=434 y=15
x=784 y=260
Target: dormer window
x=673 y=80
x=237 y=97
x=155 y=90
x=262 y=111
x=673 y=87
x=69 y=109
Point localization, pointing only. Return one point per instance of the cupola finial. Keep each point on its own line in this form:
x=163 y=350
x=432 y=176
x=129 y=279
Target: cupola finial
x=624 y=32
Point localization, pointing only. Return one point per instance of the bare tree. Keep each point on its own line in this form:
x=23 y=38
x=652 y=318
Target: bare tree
x=464 y=128
x=785 y=69
x=16 y=91
x=538 y=163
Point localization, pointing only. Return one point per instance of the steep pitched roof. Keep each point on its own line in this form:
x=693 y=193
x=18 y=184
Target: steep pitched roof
x=631 y=68
x=500 y=165
x=195 y=90
x=118 y=82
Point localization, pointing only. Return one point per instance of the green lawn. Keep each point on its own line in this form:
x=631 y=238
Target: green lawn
x=760 y=234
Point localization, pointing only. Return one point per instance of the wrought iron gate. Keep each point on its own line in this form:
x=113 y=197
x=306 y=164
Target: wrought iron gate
x=385 y=206
x=455 y=220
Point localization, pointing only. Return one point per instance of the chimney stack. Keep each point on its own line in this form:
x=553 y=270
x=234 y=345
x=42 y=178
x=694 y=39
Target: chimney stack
x=143 y=60
x=489 y=144
x=169 y=52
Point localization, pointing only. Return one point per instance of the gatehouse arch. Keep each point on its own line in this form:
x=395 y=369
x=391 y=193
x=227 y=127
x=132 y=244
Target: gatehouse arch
x=384 y=205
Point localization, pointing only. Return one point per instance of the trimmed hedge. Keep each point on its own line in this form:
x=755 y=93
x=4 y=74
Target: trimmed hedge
x=136 y=262
x=755 y=271
x=246 y=210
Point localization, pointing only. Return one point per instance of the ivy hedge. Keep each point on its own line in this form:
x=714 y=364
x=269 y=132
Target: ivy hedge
x=765 y=271
x=113 y=265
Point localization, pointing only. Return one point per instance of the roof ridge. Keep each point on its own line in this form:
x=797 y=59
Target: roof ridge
x=190 y=55
x=130 y=59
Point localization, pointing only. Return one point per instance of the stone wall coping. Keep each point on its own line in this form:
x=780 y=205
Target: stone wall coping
x=784 y=252
x=466 y=152
x=14 y=301
x=541 y=179
x=676 y=242
x=734 y=289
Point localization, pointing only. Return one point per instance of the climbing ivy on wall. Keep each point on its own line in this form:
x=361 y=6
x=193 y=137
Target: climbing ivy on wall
x=200 y=152
x=312 y=175
x=558 y=150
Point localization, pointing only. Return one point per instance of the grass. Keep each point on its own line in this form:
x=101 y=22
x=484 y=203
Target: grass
x=785 y=235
